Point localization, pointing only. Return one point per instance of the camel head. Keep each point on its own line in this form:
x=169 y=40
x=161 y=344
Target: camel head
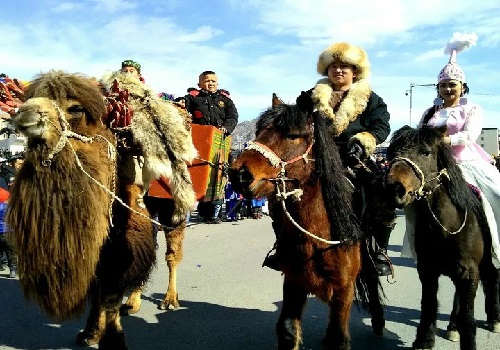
x=58 y=101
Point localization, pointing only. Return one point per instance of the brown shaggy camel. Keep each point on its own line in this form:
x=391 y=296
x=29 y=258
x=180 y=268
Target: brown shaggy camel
x=79 y=231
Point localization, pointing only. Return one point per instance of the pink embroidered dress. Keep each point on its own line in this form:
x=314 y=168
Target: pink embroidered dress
x=464 y=124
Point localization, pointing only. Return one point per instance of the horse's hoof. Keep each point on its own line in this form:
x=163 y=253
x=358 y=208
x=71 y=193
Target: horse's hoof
x=493 y=327
x=453 y=336
x=378 y=332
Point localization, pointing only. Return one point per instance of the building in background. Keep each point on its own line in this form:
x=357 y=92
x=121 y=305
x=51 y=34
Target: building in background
x=10 y=142
x=489 y=141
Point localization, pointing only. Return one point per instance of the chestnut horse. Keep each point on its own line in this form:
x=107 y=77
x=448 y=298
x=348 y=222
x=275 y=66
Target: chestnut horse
x=319 y=241
x=451 y=234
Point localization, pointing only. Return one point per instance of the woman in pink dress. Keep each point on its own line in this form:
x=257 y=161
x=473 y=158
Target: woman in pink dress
x=464 y=122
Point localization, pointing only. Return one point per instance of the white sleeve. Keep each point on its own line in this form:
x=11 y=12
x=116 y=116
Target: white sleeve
x=471 y=129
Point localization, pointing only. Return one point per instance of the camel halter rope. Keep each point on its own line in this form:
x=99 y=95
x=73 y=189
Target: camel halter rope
x=66 y=133
x=422 y=193
x=281 y=179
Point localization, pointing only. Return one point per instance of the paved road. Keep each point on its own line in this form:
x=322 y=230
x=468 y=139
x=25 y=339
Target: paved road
x=230 y=302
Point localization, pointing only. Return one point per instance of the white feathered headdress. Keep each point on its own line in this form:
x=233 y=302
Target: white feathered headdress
x=458 y=43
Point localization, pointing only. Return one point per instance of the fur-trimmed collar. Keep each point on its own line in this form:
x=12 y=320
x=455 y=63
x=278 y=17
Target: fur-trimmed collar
x=352 y=105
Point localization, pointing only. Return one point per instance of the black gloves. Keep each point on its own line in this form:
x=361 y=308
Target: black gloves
x=354 y=154
x=355 y=150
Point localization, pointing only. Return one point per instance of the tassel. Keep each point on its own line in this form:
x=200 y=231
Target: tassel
x=438 y=101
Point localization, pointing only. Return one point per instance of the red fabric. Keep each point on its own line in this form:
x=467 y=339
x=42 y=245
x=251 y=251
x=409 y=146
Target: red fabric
x=4 y=195
x=198 y=114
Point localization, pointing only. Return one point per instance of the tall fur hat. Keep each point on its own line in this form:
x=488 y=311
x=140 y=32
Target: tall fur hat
x=345 y=53
x=458 y=43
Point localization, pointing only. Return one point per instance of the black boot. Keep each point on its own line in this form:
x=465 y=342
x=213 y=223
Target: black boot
x=379 y=250
x=271 y=261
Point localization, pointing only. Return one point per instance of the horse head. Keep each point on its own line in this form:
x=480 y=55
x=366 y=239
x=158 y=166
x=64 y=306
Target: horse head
x=280 y=151
x=418 y=163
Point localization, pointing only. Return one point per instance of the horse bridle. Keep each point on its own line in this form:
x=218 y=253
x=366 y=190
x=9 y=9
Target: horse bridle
x=279 y=163
x=281 y=179
x=422 y=193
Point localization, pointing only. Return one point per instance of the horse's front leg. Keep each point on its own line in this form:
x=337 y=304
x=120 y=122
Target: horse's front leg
x=288 y=327
x=337 y=334
x=113 y=337
x=173 y=256
x=466 y=323
x=452 y=333
x=490 y=277
x=426 y=331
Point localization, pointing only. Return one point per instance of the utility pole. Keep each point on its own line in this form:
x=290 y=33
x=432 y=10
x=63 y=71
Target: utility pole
x=410 y=92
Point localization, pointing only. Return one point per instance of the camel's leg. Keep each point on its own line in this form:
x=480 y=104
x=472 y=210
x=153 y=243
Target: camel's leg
x=173 y=257
x=94 y=327
x=426 y=331
x=337 y=333
x=288 y=327
x=133 y=303
x=113 y=337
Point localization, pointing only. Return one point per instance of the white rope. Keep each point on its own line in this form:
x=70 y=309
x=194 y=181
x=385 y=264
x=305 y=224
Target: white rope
x=421 y=193
x=64 y=139
x=282 y=195
x=444 y=228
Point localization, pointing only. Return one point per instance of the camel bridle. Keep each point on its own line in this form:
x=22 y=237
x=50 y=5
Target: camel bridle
x=65 y=134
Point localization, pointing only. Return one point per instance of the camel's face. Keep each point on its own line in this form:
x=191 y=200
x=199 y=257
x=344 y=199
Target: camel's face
x=39 y=118
x=32 y=118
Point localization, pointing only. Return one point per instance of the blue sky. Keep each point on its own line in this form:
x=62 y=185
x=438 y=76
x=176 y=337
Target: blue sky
x=258 y=47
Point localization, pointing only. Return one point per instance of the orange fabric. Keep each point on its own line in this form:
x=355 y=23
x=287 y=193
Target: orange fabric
x=203 y=139
x=4 y=195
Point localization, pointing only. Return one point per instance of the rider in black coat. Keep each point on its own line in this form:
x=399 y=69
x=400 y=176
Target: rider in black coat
x=211 y=106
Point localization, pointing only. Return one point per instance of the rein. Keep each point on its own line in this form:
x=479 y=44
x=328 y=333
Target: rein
x=281 y=180
x=66 y=133
x=422 y=193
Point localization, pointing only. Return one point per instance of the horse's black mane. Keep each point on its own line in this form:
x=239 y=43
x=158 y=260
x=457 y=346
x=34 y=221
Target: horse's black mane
x=283 y=118
x=336 y=192
x=457 y=188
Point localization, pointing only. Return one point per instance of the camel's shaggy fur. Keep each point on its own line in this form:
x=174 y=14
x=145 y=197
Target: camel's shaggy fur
x=60 y=211
x=160 y=129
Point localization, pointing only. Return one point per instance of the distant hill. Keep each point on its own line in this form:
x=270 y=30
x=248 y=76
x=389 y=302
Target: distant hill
x=244 y=132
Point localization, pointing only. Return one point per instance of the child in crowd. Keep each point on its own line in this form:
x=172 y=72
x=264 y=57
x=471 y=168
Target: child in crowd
x=4 y=244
